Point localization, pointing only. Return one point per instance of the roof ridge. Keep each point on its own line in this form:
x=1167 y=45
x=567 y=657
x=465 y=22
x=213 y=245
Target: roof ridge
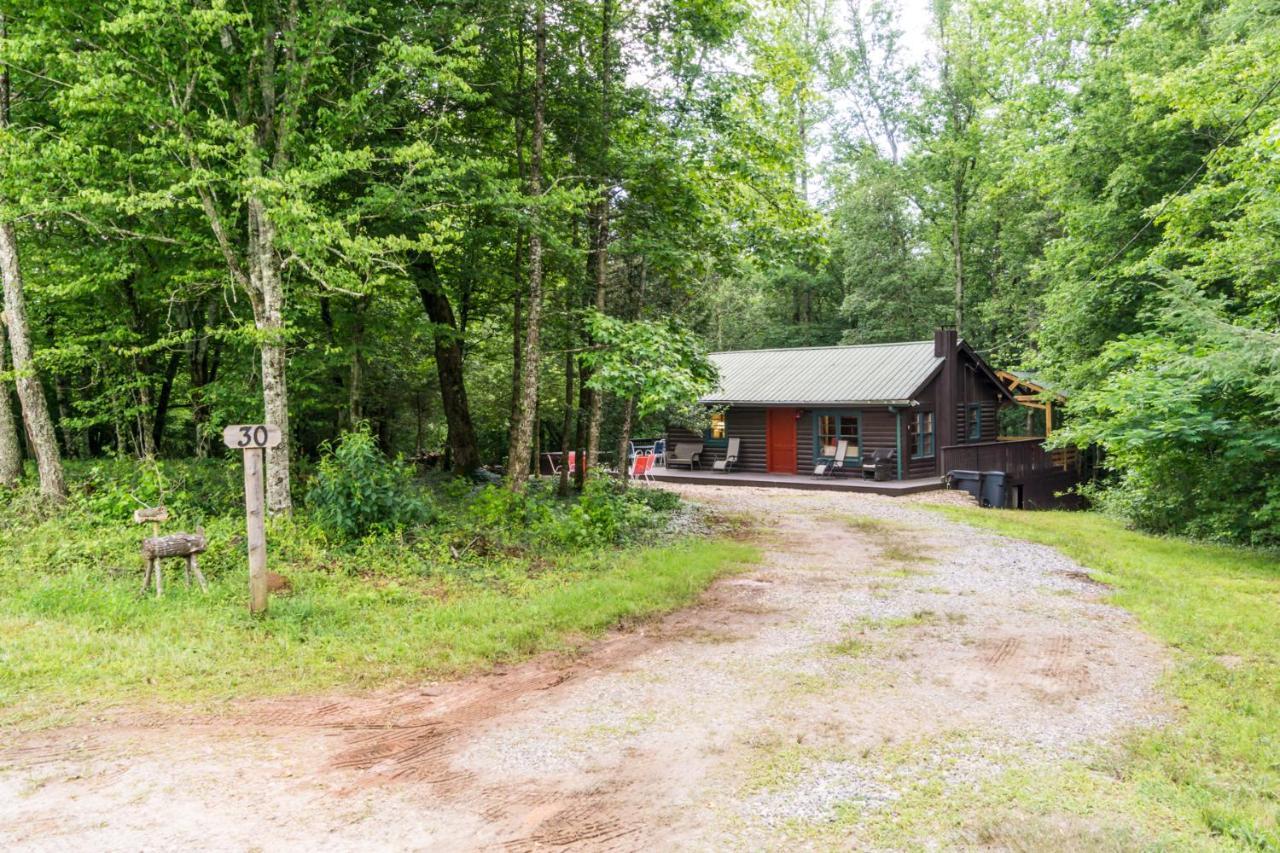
x=828 y=346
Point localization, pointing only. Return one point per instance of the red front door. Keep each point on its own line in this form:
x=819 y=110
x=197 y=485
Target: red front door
x=780 y=441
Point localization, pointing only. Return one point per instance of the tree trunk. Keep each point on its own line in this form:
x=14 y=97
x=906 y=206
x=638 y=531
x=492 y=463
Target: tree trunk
x=203 y=357
x=10 y=448
x=566 y=433
x=957 y=256
x=517 y=327
x=162 y=400
x=580 y=437
x=267 y=295
x=522 y=436
x=355 y=388
x=599 y=219
x=624 y=438
x=72 y=440
x=599 y=237
x=463 y=451
x=35 y=409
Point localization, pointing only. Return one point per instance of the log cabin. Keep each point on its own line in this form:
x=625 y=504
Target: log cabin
x=932 y=402
x=789 y=407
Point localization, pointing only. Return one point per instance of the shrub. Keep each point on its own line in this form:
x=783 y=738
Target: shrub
x=506 y=514
x=658 y=500
x=357 y=490
x=605 y=514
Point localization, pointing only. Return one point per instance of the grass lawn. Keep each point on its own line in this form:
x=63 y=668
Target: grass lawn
x=1212 y=779
x=76 y=636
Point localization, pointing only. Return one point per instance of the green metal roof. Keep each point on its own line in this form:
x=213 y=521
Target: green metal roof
x=866 y=374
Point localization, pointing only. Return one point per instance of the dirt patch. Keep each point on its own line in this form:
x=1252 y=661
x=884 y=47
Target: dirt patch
x=654 y=736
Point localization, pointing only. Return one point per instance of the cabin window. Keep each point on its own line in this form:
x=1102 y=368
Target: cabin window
x=831 y=428
x=973 y=421
x=922 y=436
x=717 y=430
x=717 y=426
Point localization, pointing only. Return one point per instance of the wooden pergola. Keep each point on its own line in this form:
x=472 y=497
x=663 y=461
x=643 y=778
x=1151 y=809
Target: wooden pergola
x=1029 y=393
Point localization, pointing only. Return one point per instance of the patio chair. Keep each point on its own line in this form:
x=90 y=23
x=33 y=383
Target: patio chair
x=877 y=465
x=828 y=465
x=730 y=457
x=660 y=452
x=642 y=467
x=685 y=455
x=554 y=459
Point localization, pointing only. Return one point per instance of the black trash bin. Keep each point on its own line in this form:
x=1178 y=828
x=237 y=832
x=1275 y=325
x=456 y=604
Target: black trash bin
x=993 y=490
x=970 y=481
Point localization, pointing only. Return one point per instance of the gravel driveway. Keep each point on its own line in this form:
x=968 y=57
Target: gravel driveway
x=877 y=651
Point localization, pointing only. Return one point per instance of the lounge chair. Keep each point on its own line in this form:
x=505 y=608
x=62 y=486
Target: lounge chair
x=730 y=457
x=828 y=465
x=877 y=466
x=685 y=455
x=642 y=467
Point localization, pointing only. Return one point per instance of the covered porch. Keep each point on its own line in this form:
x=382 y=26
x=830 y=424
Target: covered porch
x=798 y=481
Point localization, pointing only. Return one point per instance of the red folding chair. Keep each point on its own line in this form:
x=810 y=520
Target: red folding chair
x=642 y=467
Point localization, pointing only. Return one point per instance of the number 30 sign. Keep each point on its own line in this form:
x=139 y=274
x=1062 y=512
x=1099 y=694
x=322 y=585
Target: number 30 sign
x=251 y=436
x=253 y=439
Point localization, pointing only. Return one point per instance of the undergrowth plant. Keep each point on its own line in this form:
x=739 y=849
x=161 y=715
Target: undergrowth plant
x=357 y=490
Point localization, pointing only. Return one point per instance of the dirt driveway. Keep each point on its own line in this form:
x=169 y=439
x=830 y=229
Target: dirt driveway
x=876 y=649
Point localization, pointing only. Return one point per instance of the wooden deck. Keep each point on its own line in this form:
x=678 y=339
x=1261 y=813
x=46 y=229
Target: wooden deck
x=798 y=481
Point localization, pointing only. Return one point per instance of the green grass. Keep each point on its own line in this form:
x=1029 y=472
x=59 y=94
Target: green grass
x=75 y=635
x=893 y=542
x=868 y=526
x=1213 y=776
x=851 y=646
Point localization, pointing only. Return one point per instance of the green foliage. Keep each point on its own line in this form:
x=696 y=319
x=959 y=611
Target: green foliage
x=1214 y=770
x=114 y=488
x=604 y=514
x=662 y=365
x=1189 y=417
x=357 y=490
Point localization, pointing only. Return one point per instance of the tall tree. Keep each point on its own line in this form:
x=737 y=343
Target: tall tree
x=35 y=409
x=518 y=459
x=598 y=224
x=954 y=149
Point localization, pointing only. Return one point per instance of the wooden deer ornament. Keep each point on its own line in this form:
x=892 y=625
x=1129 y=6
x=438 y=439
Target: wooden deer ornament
x=157 y=547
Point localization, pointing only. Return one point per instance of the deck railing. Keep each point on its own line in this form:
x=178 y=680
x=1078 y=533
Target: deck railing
x=1017 y=457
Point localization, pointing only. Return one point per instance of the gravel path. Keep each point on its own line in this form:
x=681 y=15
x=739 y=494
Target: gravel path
x=876 y=648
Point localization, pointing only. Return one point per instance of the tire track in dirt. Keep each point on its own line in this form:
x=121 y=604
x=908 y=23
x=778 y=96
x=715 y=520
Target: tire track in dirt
x=414 y=736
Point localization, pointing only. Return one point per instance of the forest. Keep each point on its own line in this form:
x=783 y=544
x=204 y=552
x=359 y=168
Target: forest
x=479 y=231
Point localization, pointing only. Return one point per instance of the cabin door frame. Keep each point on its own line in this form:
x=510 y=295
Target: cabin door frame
x=780 y=441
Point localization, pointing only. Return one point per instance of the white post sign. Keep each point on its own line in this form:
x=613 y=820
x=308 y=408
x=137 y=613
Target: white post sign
x=254 y=439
